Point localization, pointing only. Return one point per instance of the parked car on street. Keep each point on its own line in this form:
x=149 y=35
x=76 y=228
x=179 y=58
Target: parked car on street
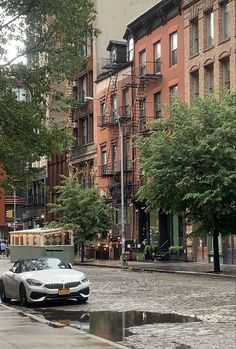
x=36 y=280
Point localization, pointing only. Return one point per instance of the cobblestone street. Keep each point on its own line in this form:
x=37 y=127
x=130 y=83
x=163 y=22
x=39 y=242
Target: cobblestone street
x=210 y=299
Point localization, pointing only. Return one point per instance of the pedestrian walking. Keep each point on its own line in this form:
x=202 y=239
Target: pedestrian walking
x=4 y=247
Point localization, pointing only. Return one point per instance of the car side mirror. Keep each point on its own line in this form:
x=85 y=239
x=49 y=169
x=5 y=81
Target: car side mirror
x=70 y=266
x=12 y=269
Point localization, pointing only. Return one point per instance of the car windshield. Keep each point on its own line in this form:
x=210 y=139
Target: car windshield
x=42 y=264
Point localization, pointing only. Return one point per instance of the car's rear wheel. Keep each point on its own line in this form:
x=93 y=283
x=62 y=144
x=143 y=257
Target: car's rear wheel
x=3 y=297
x=23 y=296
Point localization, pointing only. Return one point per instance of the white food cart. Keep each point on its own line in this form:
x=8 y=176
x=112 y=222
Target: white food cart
x=36 y=243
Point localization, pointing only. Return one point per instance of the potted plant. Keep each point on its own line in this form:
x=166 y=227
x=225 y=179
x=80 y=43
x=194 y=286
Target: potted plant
x=177 y=253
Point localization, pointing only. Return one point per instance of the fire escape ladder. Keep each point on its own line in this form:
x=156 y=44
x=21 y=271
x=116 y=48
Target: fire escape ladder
x=138 y=95
x=112 y=87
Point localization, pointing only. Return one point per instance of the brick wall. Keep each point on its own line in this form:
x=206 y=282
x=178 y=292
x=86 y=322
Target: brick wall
x=214 y=55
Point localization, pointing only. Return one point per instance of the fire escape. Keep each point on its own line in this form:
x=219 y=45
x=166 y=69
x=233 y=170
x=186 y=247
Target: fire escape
x=109 y=119
x=142 y=77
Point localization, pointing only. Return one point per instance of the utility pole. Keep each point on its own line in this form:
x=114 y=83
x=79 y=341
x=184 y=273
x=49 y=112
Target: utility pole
x=122 y=204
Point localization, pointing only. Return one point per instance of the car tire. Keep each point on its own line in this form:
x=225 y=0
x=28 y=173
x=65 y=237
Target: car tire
x=23 y=296
x=3 y=297
x=82 y=300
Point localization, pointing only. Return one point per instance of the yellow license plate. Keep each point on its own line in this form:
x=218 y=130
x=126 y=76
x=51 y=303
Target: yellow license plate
x=63 y=292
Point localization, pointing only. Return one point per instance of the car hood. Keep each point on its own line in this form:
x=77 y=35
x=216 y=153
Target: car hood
x=54 y=275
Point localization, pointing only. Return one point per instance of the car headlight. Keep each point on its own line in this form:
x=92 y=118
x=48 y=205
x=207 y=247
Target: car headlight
x=85 y=279
x=33 y=282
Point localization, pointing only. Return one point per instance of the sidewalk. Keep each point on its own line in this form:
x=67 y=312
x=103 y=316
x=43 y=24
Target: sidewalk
x=25 y=331
x=190 y=268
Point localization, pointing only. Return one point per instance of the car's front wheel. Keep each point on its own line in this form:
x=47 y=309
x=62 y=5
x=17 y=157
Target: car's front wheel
x=3 y=297
x=23 y=296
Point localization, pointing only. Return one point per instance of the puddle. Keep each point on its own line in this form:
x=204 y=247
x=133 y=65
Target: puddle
x=112 y=325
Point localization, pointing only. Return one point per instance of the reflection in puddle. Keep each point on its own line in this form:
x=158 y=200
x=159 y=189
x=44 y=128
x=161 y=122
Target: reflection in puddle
x=111 y=325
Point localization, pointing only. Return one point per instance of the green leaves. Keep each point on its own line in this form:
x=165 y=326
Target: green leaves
x=81 y=209
x=190 y=160
x=52 y=34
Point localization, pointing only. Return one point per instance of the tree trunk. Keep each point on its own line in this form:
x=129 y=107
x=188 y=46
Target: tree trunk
x=82 y=252
x=216 y=251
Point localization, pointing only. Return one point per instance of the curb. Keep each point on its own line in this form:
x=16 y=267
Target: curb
x=157 y=270
x=56 y=324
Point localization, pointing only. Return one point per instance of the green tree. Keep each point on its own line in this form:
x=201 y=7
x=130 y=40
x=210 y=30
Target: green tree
x=81 y=210
x=51 y=35
x=189 y=161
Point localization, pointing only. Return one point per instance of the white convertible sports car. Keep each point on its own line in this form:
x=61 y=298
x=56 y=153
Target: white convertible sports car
x=35 y=280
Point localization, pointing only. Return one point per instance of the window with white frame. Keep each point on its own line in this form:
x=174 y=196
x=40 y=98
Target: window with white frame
x=131 y=49
x=194 y=37
x=173 y=48
x=157 y=57
x=209 y=29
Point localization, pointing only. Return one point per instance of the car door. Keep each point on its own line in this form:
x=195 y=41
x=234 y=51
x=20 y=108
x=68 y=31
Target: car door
x=12 y=281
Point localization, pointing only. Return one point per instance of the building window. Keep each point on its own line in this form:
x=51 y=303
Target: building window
x=224 y=20
x=114 y=157
x=131 y=49
x=142 y=63
x=173 y=48
x=113 y=56
x=114 y=116
x=225 y=73
x=157 y=57
x=142 y=109
x=194 y=83
x=103 y=112
x=173 y=93
x=83 y=134
x=82 y=88
x=104 y=160
x=125 y=100
x=86 y=130
x=157 y=105
x=127 y=150
x=194 y=37
x=87 y=47
x=209 y=29
x=209 y=79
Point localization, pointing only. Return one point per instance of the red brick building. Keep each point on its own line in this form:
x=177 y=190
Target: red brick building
x=134 y=88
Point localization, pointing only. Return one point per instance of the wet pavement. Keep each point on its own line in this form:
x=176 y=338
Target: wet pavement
x=18 y=331
x=147 y=310
x=190 y=268
x=112 y=325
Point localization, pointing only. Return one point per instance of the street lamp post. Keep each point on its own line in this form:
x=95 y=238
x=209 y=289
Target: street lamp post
x=14 y=196
x=121 y=136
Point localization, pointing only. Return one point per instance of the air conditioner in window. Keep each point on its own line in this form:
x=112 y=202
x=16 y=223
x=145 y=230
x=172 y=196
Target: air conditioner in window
x=75 y=124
